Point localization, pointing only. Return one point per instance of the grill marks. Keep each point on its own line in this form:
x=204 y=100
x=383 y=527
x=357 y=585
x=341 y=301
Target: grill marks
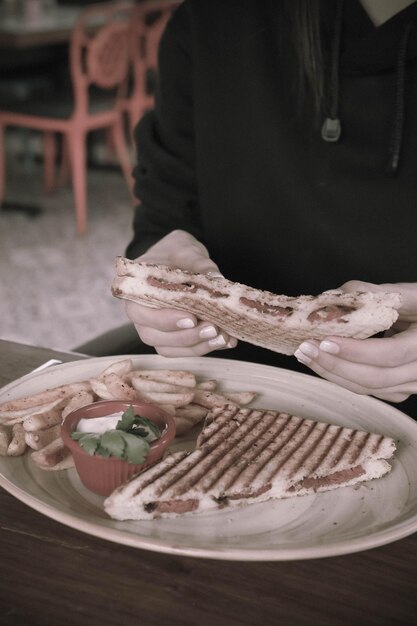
x=157 y=473
x=252 y=455
x=276 y=452
x=242 y=451
x=220 y=449
x=377 y=443
x=268 y=329
x=248 y=443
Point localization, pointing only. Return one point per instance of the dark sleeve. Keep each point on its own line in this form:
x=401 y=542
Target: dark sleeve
x=165 y=174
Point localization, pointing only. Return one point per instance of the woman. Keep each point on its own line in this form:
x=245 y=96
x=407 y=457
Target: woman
x=282 y=152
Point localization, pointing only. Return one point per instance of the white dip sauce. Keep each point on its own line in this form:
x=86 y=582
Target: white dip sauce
x=99 y=425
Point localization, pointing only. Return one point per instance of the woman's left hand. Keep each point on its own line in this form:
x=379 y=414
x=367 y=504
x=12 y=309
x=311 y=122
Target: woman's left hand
x=382 y=367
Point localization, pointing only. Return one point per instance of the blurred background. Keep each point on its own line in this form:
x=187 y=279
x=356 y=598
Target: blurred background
x=66 y=209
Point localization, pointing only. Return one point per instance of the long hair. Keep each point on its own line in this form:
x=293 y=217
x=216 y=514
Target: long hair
x=306 y=36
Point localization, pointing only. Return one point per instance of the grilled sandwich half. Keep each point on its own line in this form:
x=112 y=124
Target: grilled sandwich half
x=277 y=322
x=250 y=455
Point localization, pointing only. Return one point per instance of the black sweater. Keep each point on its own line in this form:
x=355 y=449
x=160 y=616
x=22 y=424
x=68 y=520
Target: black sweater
x=229 y=156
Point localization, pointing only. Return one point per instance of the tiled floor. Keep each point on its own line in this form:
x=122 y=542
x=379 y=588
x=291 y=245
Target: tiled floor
x=55 y=286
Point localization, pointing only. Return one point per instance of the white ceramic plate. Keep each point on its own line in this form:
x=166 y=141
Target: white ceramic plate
x=328 y=524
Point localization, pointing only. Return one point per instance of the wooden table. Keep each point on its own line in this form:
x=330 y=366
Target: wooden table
x=52 y=575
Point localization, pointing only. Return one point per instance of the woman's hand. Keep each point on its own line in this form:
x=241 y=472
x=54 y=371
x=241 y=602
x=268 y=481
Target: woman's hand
x=383 y=367
x=170 y=331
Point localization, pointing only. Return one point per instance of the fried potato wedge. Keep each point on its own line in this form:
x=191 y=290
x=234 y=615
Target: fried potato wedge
x=208 y=385
x=52 y=454
x=40 y=421
x=120 y=368
x=17 y=445
x=194 y=413
x=76 y=402
x=210 y=399
x=173 y=399
x=20 y=416
x=176 y=377
x=241 y=397
x=65 y=464
x=100 y=389
x=119 y=389
x=5 y=439
x=43 y=397
x=38 y=439
x=147 y=384
x=182 y=426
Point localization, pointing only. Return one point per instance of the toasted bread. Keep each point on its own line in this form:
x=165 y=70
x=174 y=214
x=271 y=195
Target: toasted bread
x=277 y=322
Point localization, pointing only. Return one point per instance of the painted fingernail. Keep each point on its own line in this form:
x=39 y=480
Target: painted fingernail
x=309 y=350
x=208 y=332
x=185 y=322
x=329 y=346
x=218 y=341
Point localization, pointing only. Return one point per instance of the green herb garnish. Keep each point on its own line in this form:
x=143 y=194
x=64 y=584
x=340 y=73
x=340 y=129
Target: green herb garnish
x=138 y=425
x=90 y=442
x=129 y=441
x=128 y=419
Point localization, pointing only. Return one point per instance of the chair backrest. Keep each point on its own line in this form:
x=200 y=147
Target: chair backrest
x=148 y=23
x=100 y=50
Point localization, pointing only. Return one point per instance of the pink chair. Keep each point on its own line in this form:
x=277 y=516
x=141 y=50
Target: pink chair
x=149 y=19
x=99 y=62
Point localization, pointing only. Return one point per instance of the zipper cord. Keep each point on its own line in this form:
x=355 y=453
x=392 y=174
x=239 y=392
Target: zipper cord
x=399 y=114
x=332 y=128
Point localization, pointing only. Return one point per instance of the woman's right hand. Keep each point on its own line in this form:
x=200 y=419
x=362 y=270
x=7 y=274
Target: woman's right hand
x=172 y=332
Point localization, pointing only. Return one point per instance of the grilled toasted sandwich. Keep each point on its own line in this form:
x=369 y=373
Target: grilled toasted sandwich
x=251 y=455
x=277 y=322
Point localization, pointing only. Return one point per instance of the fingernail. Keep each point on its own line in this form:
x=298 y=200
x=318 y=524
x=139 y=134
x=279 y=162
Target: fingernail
x=185 y=322
x=309 y=350
x=232 y=343
x=218 y=341
x=329 y=346
x=208 y=332
x=300 y=356
x=214 y=274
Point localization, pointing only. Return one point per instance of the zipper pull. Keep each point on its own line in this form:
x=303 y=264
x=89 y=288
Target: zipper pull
x=331 y=129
